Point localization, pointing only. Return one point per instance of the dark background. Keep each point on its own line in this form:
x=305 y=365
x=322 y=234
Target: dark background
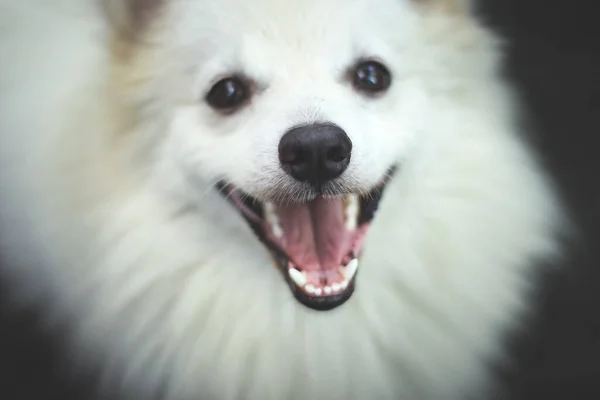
x=554 y=58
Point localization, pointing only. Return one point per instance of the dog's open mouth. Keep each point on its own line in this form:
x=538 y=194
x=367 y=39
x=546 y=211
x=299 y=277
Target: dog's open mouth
x=317 y=244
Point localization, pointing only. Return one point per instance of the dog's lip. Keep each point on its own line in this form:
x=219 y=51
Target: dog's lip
x=255 y=217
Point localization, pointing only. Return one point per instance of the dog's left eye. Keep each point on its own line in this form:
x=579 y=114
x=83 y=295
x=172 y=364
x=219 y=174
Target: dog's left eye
x=228 y=94
x=371 y=77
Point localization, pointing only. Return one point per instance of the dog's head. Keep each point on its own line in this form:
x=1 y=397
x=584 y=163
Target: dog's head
x=298 y=112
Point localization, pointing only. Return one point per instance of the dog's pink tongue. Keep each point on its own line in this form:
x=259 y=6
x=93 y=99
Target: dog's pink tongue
x=315 y=236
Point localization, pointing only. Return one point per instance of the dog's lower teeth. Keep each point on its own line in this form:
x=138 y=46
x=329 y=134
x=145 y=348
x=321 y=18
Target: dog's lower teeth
x=298 y=277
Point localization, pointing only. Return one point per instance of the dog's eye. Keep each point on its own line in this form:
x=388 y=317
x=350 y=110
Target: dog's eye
x=371 y=77
x=228 y=94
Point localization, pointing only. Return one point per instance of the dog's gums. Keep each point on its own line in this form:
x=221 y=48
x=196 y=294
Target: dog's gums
x=317 y=245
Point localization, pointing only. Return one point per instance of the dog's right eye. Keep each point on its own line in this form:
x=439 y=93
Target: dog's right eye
x=228 y=94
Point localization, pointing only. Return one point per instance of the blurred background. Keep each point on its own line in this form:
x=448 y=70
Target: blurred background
x=554 y=59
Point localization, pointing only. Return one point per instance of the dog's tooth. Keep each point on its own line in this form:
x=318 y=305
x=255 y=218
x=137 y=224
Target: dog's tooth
x=318 y=291
x=277 y=230
x=352 y=200
x=336 y=287
x=270 y=215
x=298 y=277
x=272 y=219
x=344 y=284
x=327 y=289
x=268 y=208
x=351 y=211
x=349 y=270
x=310 y=288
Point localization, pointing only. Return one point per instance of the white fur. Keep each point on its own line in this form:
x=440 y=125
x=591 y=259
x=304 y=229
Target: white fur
x=114 y=228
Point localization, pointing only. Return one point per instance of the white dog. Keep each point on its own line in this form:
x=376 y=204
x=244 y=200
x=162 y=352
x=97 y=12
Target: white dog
x=269 y=200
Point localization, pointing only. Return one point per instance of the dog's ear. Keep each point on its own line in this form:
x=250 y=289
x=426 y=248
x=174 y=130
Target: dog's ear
x=449 y=6
x=129 y=17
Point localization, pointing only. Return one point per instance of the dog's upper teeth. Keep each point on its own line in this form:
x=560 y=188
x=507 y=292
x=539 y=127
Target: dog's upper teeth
x=351 y=211
x=350 y=270
x=277 y=231
x=269 y=209
x=298 y=277
x=272 y=219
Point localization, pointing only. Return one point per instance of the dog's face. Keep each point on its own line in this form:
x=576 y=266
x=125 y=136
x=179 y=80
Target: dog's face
x=298 y=112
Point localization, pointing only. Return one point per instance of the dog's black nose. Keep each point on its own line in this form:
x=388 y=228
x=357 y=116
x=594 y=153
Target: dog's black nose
x=315 y=153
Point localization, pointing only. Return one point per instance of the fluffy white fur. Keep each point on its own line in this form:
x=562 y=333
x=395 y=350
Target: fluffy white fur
x=109 y=222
